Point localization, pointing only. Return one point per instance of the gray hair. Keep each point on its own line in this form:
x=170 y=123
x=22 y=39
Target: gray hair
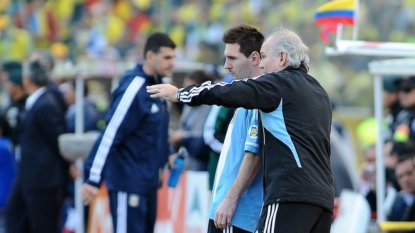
x=45 y=57
x=37 y=73
x=287 y=41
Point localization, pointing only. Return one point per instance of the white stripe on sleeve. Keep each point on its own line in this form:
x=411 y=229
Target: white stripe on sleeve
x=209 y=130
x=112 y=128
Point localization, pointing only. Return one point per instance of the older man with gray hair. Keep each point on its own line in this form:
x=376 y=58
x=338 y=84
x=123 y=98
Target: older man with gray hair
x=294 y=128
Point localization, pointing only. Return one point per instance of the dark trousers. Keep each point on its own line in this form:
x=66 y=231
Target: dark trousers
x=133 y=213
x=294 y=218
x=231 y=229
x=33 y=211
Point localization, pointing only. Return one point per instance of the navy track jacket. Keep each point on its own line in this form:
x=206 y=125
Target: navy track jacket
x=133 y=147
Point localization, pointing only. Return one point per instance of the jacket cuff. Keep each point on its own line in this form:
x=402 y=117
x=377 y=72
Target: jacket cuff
x=98 y=185
x=178 y=94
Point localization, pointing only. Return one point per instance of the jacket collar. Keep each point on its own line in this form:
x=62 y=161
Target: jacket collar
x=302 y=68
x=151 y=79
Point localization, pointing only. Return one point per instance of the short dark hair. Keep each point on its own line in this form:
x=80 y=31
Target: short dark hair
x=248 y=38
x=38 y=73
x=405 y=157
x=9 y=66
x=402 y=148
x=157 y=40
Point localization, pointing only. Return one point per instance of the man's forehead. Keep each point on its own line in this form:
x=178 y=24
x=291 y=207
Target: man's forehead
x=167 y=51
x=405 y=165
x=232 y=49
x=265 y=45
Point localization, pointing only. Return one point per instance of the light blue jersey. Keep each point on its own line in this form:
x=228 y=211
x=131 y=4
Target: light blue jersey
x=241 y=137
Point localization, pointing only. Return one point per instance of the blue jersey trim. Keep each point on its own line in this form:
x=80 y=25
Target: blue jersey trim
x=274 y=122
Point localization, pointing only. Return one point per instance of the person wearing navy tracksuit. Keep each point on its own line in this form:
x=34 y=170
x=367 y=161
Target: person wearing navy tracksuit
x=133 y=147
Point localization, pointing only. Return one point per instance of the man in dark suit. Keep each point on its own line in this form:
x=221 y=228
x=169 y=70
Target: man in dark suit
x=36 y=196
x=404 y=207
x=48 y=61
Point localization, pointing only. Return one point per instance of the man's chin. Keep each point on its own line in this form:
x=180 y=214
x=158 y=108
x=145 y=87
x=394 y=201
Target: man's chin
x=165 y=74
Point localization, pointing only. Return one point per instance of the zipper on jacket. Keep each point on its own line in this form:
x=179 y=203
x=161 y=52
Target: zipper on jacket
x=263 y=153
x=262 y=125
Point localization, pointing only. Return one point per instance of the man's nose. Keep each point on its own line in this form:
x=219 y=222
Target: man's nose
x=227 y=64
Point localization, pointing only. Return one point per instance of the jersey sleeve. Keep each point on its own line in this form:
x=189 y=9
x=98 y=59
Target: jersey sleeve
x=251 y=143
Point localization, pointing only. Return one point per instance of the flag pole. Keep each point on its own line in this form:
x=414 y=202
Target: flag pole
x=356 y=19
x=339 y=32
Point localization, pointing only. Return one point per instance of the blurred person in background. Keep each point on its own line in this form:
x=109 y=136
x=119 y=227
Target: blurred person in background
x=367 y=185
x=7 y=166
x=36 y=197
x=15 y=42
x=192 y=122
x=215 y=129
x=403 y=208
x=397 y=150
x=133 y=148
x=41 y=21
x=298 y=183
x=13 y=80
x=90 y=123
x=90 y=112
x=391 y=103
x=48 y=61
x=405 y=120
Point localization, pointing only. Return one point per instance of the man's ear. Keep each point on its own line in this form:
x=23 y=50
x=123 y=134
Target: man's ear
x=255 y=58
x=149 y=55
x=283 y=58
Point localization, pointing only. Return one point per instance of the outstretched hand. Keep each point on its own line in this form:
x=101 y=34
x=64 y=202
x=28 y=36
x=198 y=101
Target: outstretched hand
x=163 y=91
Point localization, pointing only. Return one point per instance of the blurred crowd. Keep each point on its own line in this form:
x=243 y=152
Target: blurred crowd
x=118 y=28
x=399 y=151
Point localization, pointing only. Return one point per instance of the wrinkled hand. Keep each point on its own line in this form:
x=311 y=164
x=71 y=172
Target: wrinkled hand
x=163 y=91
x=88 y=193
x=224 y=213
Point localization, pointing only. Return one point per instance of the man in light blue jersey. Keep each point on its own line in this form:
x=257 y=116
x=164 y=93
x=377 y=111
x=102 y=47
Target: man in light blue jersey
x=237 y=192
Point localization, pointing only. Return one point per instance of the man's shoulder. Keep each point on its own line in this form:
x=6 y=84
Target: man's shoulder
x=47 y=99
x=132 y=77
x=133 y=73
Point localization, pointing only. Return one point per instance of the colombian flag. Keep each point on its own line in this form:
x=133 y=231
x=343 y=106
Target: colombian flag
x=336 y=12
x=326 y=30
